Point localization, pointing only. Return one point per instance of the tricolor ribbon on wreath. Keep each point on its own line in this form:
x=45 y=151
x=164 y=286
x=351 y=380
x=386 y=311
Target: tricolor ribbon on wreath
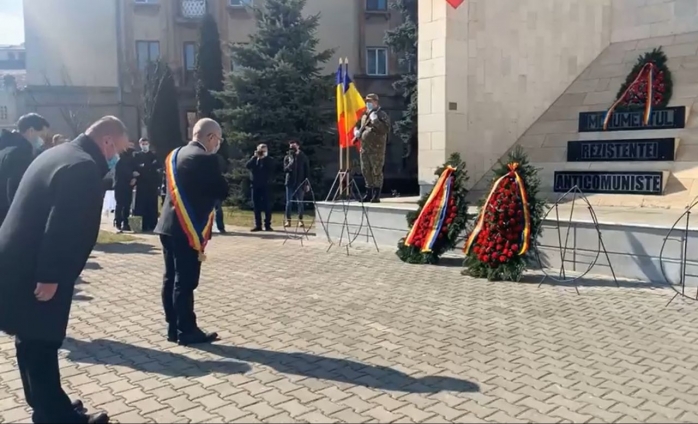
x=198 y=233
x=647 y=71
x=526 y=234
x=437 y=199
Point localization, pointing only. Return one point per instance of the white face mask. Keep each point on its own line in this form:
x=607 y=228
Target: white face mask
x=145 y=148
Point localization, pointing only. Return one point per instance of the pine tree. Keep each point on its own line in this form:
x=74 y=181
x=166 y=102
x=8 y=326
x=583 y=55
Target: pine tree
x=403 y=41
x=161 y=112
x=209 y=68
x=280 y=93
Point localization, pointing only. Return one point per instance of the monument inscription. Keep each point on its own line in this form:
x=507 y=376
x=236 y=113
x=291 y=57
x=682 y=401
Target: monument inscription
x=610 y=182
x=633 y=150
x=665 y=118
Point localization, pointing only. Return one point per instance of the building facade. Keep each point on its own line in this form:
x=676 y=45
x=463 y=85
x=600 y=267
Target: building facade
x=84 y=57
x=12 y=78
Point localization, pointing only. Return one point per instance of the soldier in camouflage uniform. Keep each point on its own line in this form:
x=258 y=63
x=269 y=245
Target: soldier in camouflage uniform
x=373 y=134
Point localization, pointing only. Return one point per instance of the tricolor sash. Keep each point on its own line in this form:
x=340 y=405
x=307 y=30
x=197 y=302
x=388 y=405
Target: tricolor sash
x=198 y=233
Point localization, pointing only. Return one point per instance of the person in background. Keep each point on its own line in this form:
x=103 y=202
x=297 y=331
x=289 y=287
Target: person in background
x=17 y=150
x=125 y=176
x=220 y=218
x=373 y=134
x=194 y=173
x=147 y=183
x=297 y=169
x=45 y=241
x=261 y=167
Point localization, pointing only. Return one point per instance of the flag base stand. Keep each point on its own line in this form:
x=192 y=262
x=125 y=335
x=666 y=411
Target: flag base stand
x=345 y=192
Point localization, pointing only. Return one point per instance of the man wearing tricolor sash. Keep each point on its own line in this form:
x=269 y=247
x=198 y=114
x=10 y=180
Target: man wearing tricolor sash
x=194 y=184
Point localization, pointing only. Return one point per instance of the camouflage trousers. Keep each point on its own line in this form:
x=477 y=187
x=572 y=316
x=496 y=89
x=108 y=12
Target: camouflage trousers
x=372 y=161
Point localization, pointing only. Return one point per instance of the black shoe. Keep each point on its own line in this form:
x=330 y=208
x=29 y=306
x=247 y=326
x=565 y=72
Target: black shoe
x=222 y=231
x=197 y=337
x=268 y=228
x=256 y=229
x=78 y=406
x=368 y=195
x=97 y=418
x=172 y=336
x=126 y=228
x=376 y=195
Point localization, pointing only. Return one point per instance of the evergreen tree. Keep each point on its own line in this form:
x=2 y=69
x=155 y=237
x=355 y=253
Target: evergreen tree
x=161 y=111
x=403 y=41
x=209 y=68
x=280 y=93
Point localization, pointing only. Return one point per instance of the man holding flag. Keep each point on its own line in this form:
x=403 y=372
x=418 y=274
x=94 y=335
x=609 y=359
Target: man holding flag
x=373 y=135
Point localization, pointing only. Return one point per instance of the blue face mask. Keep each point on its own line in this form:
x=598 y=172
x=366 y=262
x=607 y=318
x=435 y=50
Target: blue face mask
x=38 y=143
x=111 y=163
x=369 y=106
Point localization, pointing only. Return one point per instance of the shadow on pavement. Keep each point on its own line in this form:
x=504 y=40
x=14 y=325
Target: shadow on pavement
x=110 y=352
x=127 y=248
x=342 y=370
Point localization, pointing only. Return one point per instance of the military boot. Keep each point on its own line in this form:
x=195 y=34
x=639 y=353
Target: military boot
x=369 y=194
x=376 y=195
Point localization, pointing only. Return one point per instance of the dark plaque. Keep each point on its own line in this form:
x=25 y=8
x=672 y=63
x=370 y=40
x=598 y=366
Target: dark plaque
x=610 y=182
x=636 y=150
x=660 y=119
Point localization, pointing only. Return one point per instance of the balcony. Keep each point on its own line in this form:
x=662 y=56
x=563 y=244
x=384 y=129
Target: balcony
x=192 y=9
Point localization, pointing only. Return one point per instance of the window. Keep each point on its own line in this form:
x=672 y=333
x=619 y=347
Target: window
x=377 y=61
x=239 y=3
x=234 y=66
x=191 y=120
x=376 y=5
x=4 y=115
x=145 y=1
x=189 y=60
x=192 y=8
x=146 y=52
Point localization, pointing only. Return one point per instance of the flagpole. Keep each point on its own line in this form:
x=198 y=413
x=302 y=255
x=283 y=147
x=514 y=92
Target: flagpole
x=341 y=156
x=348 y=158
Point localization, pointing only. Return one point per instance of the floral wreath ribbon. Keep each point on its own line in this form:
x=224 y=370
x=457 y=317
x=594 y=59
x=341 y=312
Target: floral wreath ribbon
x=197 y=235
x=526 y=234
x=439 y=198
x=647 y=70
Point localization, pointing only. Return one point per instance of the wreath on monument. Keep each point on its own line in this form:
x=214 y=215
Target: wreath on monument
x=441 y=217
x=648 y=85
x=498 y=248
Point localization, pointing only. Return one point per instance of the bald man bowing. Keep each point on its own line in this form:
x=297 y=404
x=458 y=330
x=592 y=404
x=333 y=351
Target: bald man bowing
x=194 y=183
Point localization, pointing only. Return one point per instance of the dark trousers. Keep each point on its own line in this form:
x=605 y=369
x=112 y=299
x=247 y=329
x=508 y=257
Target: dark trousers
x=122 y=212
x=220 y=222
x=261 y=203
x=41 y=378
x=181 y=278
x=296 y=196
x=147 y=205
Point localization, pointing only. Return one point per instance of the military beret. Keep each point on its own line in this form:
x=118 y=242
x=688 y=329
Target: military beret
x=372 y=96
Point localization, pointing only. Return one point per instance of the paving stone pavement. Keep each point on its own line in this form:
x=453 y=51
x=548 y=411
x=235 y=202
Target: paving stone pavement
x=311 y=336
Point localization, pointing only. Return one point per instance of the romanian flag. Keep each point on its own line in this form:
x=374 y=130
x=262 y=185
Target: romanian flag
x=350 y=106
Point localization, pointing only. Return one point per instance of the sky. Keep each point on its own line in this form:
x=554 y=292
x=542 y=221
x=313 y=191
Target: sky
x=11 y=22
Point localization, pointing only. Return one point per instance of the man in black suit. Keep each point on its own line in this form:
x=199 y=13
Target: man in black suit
x=261 y=168
x=125 y=175
x=147 y=184
x=200 y=184
x=17 y=150
x=45 y=241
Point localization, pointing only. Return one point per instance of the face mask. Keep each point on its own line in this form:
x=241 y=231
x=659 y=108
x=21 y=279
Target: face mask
x=145 y=148
x=111 y=163
x=38 y=142
x=369 y=106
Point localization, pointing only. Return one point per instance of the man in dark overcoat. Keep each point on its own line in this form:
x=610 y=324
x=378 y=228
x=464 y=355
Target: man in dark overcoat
x=45 y=241
x=125 y=174
x=147 y=184
x=201 y=184
x=17 y=150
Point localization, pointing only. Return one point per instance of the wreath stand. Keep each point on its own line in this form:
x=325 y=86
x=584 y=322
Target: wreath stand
x=302 y=232
x=683 y=239
x=345 y=191
x=562 y=276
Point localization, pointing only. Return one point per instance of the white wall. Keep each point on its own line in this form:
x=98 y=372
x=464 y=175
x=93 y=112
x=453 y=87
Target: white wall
x=639 y=19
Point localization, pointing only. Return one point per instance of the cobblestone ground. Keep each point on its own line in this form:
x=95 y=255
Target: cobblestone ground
x=311 y=336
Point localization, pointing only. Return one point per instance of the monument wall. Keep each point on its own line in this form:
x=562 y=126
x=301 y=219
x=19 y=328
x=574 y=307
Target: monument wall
x=489 y=68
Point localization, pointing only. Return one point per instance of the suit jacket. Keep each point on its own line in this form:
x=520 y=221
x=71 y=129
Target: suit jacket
x=16 y=153
x=47 y=237
x=200 y=183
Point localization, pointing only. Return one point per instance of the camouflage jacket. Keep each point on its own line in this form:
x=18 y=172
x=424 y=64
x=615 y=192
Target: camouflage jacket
x=374 y=134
